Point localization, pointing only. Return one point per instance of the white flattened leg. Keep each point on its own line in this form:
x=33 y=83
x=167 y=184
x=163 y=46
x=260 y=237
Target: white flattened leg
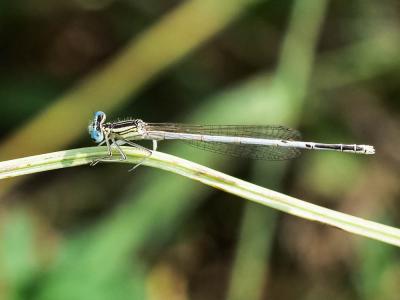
x=130 y=143
x=105 y=158
x=110 y=157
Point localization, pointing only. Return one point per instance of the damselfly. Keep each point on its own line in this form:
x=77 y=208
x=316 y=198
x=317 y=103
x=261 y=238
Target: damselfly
x=254 y=141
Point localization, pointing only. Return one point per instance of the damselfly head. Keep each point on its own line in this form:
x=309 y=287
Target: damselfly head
x=95 y=128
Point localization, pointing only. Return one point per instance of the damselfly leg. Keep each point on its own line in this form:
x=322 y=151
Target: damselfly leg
x=122 y=156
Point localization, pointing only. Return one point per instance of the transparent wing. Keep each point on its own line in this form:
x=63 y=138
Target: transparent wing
x=237 y=150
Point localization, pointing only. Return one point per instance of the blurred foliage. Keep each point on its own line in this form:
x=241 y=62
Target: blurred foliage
x=327 y=68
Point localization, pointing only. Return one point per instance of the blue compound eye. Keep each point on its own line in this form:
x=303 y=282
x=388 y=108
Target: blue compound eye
x=97 y=135
x=95 y=128
x=99 y=117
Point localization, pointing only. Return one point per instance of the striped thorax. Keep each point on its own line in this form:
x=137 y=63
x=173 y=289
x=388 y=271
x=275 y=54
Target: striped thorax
x=130 y=129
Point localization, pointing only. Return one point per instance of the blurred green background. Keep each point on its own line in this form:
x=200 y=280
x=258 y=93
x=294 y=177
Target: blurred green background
x=329 y=68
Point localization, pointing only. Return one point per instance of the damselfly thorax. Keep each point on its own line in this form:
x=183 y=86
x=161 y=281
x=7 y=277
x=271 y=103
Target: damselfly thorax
x=129 y=129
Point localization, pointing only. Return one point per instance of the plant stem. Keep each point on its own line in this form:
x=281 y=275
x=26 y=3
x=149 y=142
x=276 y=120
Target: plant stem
x=249 y=191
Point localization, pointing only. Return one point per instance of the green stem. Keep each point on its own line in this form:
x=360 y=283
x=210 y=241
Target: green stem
x=252 y=192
